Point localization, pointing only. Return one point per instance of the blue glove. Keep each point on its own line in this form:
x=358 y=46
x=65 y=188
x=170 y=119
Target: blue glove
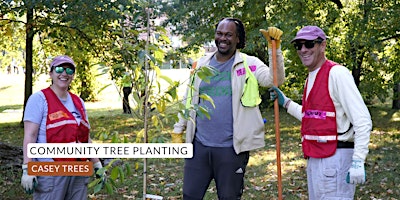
x=356 y=174
x=275 y=92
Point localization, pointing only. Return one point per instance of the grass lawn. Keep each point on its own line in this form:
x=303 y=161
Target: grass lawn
x=164 y=176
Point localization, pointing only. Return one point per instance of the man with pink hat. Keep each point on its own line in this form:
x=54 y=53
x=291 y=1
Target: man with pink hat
x=335 y=122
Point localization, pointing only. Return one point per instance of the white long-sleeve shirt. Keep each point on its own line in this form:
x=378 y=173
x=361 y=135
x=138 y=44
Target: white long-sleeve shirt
x=350 y=108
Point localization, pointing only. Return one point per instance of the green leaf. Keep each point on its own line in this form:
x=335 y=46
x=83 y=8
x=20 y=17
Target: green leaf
x=121 y=174
x=128 y=169
x=207 y=98
x=115 y=138
x=101 y=171
x=93 y=183
x=97 y=188
x=204 y=111
x=108 y=188
x=114 y=173
x=206 y=72
x=166 y=78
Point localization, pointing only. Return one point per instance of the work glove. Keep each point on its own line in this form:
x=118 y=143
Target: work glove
x=176 y=138
x=28 y=182
x=100 y=173
x=275 y=92
x=274 y=33
x=356 y=174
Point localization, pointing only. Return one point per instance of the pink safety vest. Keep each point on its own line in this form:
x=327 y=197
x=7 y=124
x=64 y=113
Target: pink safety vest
x=61 y=125
x=318 y=125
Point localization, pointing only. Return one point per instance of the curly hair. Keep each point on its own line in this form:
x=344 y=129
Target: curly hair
x=239 y=30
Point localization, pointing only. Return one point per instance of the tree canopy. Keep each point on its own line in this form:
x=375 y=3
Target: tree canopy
x=363 y=35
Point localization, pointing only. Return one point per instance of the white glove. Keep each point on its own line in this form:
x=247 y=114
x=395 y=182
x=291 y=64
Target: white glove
x=99 y=175
x=356 y=174
x=28 y=182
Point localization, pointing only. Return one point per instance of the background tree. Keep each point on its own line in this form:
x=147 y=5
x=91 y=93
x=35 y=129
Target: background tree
x=65 y=27
x=361 y=32
x=113 y=35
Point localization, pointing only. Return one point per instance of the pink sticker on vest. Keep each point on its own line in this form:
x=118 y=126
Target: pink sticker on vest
x=315 y=114
x=242 y=71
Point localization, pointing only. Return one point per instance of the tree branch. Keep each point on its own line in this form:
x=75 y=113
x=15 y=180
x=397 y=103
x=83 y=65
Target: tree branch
x=395 y=36
x=12 y=20
x=338 y=3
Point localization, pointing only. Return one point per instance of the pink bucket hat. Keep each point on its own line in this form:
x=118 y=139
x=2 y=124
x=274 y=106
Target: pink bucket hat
x=309 y=33
x=58 y=60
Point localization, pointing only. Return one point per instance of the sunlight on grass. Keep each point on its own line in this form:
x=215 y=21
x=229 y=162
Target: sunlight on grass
x=165 y=176
x=261 y=157
x=395 y=117
x=11 y=116
x=12 y=98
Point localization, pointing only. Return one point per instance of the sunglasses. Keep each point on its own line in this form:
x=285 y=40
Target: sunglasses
x=309 y=44
x=60 y=69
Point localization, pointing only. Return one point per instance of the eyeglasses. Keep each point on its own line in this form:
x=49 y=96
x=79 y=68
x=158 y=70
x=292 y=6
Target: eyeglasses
x=309 y=44
x=60 y=69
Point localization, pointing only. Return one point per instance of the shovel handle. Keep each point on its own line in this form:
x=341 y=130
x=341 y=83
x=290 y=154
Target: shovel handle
x=276 y=113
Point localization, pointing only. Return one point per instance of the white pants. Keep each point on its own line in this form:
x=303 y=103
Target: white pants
x=326 y=177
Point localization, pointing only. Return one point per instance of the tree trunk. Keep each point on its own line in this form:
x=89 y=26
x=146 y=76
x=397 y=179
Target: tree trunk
x=396 y=96
x=356 y=72
x=28 y=57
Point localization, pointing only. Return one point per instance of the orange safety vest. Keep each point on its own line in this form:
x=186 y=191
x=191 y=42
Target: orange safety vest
x=61 y=125
x=318 y=125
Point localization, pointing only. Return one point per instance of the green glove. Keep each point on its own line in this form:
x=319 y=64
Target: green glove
x=274 y=33
x=275 y=92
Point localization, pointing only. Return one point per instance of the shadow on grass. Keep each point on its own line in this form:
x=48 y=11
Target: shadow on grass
x=10 y=108
x=5 y=87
